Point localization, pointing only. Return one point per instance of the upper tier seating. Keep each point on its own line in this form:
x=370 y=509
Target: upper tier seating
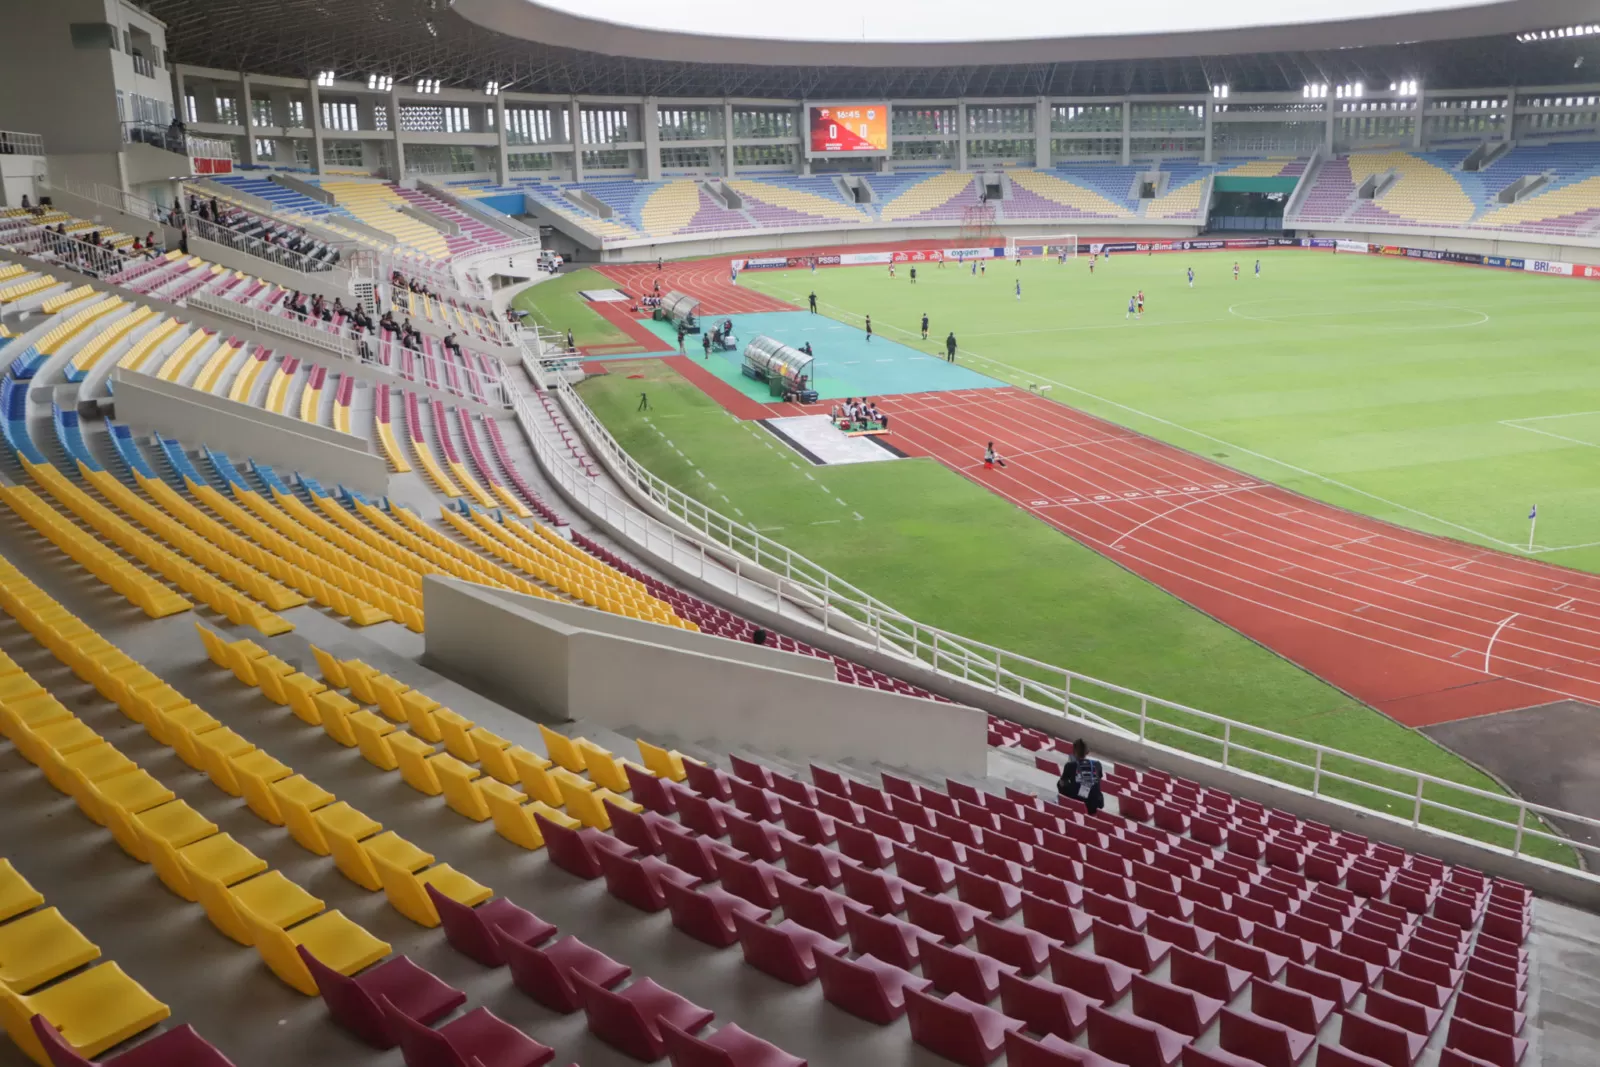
x=378 y=205
x=796 y=201
x=1080 y=191
x=943 y=195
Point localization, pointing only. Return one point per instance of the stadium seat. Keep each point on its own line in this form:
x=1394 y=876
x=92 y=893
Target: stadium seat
x=1483 y=1043
x=821 y=910
x=952 y=920
x=473 y=931
x=357 y=1004
x=1269 y=1043
x=958 y=1029
x=1133 y=1041
x=954 y=969
x=1183 y=1010
x=640 y=880
x=181 y=1046
x=1102 y=979
x=477 y=1038
x=1058 y=921
x=545 y=974
x=706 y=913
x=730 y=1046
x=630 y=1020
x=866 y=986
x=787 y=951
x=892 y=940
x=1293 y=1008
x=1385 y=1042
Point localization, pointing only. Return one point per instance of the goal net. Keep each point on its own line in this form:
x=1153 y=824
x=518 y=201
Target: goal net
x=1049 y=244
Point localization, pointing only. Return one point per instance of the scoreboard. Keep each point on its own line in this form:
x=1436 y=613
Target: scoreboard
x=848 y=129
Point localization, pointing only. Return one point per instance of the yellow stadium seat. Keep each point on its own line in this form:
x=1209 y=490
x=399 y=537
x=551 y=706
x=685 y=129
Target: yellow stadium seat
x=461 y=790
x=39 y=947
x=176 y=823
x=495 y=755
x=272 y=897
x=358 y=674
x=335 y=941
x=218 y=857
x=16 y=895
x=332 y=668
x=371 y=733
x=355 y=858
x=533 y=773
x=604 y=768
x=412 y=753
x=335 y=709
x=661 y=762
x=562 y=749
x=408 y=896
x=455 y=730
x=302 y=690
x=94 y=1010
x=259 y=763
x=388 y=692
x=419 y=709
x=512 y=820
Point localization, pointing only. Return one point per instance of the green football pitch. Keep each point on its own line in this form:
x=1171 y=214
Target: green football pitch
x=1446 y=398
x=1399 y=389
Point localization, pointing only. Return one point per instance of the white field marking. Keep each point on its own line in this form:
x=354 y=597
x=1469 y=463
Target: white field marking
x=857 y=514
x=842 y=504
x=1563 y=548
x=823 y=522
x=1171 y=511
x=711 y=485
x=1564 y=605
x=808 y=475
x=822 y=487
x=739 y=513
x=1405 y=304
x=1542 y=418
x=1486 y=652
x=1517 y=425
x=1512 y=546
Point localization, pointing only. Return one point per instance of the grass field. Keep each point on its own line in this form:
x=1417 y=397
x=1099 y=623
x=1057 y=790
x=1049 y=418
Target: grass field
x=1445 y=398
x=951 y=554
x=556 y=305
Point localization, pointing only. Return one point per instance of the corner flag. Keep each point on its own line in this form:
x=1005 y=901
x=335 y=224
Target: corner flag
x=1533 y=512
x=1533 y=521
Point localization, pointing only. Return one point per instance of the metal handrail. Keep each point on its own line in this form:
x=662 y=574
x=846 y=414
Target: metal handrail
x=97 y=261
x=255 y=246
x=116 y=199
x=1307 y=766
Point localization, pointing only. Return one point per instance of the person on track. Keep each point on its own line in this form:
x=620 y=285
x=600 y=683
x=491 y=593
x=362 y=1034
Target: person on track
x=644 y=402
x=924 y=325
x=1139 y=296
x=733 y=275
x=1191 y=277
x=1019 y=288
x=869 y=329
x=1133 y=306
x=1258 y=268
x=950 y=347
x=682 y=333
x=913 y=276
x=813 y=301
x=705 y=341
x=1080 y=779
x=991 y=458
x=1236 y=270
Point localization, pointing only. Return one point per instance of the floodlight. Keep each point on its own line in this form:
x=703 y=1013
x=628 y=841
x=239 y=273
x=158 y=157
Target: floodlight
x=325 y=78
x=492 y=89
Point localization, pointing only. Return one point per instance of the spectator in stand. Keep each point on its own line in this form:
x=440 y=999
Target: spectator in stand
x=138 y=246
x=1080 y=779
x=339 y=309
x=571 y=345
x=387 y=322
x=26 y=206
x=759 y=637
x=450 y=344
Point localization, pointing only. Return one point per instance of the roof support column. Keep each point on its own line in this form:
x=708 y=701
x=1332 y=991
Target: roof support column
x=248 y=118
x=1127 y=133
x=961 y=135
x=574 y=127
x=316 y=127
x=650 y=118
x=727 y=138
x=504 y=175
x=1041 y=133
x=1418 y=109
x=1211 y=113
x=1327 y=135
x=394 y=125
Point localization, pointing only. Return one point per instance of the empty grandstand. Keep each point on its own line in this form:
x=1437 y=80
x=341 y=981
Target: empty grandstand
x=390 y=671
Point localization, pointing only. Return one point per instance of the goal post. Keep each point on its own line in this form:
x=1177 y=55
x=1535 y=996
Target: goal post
x=1047 y=244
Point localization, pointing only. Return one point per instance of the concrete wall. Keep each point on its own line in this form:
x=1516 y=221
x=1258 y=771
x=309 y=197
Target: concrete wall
x=587 y=618
x=241 y=430
x=20 y=176
x=330 y=283
x=1516 y=246
x=543 y=666
x=49 y=87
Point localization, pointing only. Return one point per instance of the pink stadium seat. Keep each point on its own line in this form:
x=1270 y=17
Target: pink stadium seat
x=816 y=866
x=887 y=826
x=1160 y=901
x=886 y=937
x=821 y=910
x=1326 y=959
x=864 y=846
x=1223 y=923
x=960 y=970
x=1257 y=961
x=843 y=811
x=759 y=839
x=1341 y=991
x=1209 y=977
x=1055 y=920
x=883 y=893
x=1368 y=949
x=956 y=1028
x=706 y=781
x=357 y=1004
x=1282 y=943
x=1183 y=1010
x=1133 y=1041
x=706 y=914
x=1179 y=934
x=1435 y=971
x=1293 y=1008
x=1415 y=989
x=1027 y=951
x=794 y=790
x=1050 y=1051
x=867 y=987
x=1511 y=927
x=811 y=824
x=1385 y=1042
x=868 y=796
x=630 y=1020
x=698 y=855
x=1093 y=976
x=728 y=1047
x=754 y=801
x=471 y=931
x=950 y=919
x=786 y=951
x=650 y=791
x=1215 y=1057
x=477 y=1038
x=1480 y=1042
x=992 y=866
x=641 y=882
x=642 y=830
x=1128 y=947
x=1045 y=1007
x=1339 y=1056
x=180 y=1046
x=990 y=895
x=1266 y=1042
x=753 y=880
x=703 y=815
x=929 y=872
x=577 y=851
x=1505 y=994
x=1406 y=1014
x=942 y=846
x=1489 y=1016
x=546 y=974
x=750 y=771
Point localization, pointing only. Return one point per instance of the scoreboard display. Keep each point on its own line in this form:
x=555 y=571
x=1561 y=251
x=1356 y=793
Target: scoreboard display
x=849 y=129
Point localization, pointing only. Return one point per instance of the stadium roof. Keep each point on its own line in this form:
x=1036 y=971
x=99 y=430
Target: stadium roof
x=408 y=39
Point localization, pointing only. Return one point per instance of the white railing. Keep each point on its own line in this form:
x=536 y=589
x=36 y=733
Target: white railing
x=342 y=341
x=97 y=261
x=116 y=199
x=20 y=144
x=255 y=246
x=712 y=546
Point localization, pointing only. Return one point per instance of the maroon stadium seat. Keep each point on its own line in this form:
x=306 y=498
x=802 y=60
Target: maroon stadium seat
x=786 y=951
x=1209 y=977
x=1046 y=1008
x=1133 y=1041
x=1055 y=920
x=955 y=969
x=1502 y=1050
x=706 y=914
x=886 y=937
x=1291 y=1007
x=1381 y=1041
x=1176 y=1008
x=1104 y=980
x=1269 y=1043
x=546 y=974
x=958 y=1029
x=867 y=987
x=1406 y=1014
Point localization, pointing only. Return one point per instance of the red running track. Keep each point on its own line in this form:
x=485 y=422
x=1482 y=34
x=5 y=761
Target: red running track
x=705 y=279
x=1423 y=628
